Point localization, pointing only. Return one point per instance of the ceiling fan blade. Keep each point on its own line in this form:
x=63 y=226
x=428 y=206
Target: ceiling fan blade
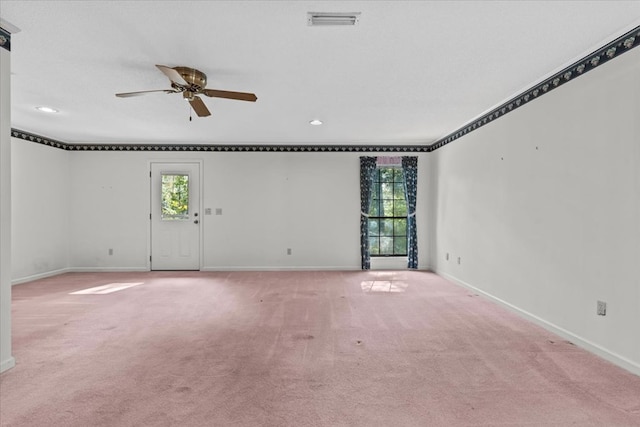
x=199 y=107
x=241 y=96
x=143 y=92
x=172 y=74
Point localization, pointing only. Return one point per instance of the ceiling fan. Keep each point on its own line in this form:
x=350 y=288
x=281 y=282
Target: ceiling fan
x=191 y=83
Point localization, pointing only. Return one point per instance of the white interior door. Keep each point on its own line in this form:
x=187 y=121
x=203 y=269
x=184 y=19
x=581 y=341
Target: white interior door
x=175 y=216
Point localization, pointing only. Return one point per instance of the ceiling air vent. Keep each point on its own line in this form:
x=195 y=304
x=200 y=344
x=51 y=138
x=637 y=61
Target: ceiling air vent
x=332 y=18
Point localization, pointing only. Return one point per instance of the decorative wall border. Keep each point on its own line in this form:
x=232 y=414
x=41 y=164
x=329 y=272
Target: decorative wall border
x=248 y=148
x=606 y=53
x=5 y=39
x=16 y=133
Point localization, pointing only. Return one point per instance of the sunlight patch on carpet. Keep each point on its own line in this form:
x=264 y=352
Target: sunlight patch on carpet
x=378 y=286
x=106 y=289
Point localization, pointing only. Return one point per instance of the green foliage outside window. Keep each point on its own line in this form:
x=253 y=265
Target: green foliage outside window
x=388 y=214
x=175 y=196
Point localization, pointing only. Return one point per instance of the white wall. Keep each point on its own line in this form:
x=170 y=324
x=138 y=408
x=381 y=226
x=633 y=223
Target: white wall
x=274 y=201
x=109 y=210
x=40 y=210
x=6 y=359
x=543 y=208
x=309 y=202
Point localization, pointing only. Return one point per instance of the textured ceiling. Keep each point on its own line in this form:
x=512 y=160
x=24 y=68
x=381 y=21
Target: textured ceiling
x=408 y=73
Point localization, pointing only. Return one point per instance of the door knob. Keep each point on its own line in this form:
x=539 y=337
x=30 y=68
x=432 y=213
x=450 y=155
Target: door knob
x=196 y=222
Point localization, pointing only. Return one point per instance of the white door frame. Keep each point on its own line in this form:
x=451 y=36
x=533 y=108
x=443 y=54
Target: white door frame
x=201 y=195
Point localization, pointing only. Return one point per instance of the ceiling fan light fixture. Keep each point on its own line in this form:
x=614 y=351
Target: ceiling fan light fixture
x=332 y=18
x=46 y=109
x=315 y=122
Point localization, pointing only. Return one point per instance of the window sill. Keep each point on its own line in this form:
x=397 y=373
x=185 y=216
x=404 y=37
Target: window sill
x=389 y=263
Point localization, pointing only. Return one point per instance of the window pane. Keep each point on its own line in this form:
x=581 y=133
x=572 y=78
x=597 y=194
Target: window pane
x=386 y=245
x=374 y=228
x=377 y=178
x=386 y=174
x=398 y=191
x=400 y=208
x=175 y=196
x=400 y=246
x=374 y=246
x=386 y=227
x=386 y=190
x=399 y=227
x=374 y=209
x=387 y=207
x=388 y=213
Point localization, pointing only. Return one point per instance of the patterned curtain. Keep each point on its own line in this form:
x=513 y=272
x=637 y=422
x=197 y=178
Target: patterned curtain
x=367 y=173
x=410 y=171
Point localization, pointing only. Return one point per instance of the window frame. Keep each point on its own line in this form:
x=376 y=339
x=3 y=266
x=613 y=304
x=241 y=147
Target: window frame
x=376 y=205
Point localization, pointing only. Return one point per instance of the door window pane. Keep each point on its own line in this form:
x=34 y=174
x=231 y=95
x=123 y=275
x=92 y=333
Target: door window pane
x=175 y=197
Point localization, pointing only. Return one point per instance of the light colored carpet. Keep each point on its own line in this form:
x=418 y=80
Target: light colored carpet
x=294 y=349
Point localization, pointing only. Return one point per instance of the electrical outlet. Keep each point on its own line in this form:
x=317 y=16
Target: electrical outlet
x=447 y=256
x=459 y=259
x=110 y=251
x=602 y=308
x=288 y=251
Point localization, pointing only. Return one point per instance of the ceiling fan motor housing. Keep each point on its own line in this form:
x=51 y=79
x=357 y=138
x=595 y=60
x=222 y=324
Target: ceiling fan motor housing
x=197 y=79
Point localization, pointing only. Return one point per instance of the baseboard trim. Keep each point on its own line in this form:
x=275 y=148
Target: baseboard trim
x=40 y=276
x=107 y=269
x=5 y=365
x=284 y=268
x=596 y=349
x=77 y=270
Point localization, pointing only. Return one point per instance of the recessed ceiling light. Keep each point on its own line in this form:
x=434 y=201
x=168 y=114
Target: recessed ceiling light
x=315 y=122
x=47 y=109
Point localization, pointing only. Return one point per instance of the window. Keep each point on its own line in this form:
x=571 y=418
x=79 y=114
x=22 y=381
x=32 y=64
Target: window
x=175 y=196
x=388 y=213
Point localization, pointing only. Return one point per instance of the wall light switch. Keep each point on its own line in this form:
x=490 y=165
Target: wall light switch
x=218 y=211
x=207 y=211
x=602 y=308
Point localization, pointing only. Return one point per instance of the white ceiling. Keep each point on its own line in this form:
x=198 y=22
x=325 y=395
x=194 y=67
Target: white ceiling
x=409 y=73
